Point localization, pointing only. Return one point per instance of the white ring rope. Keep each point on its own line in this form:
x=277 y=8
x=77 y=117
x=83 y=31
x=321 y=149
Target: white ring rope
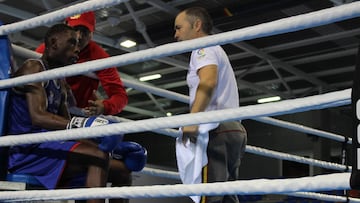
x=26 y=53
x=266 y=153
x=23 y=52
x=272 y=121
x=299 y=159
x=336 y=181
x=313 y=195
x=246 y=112
x=324 y=197
x=58 y=15
x=304 y=129
x=185 y=99
x=251 y=149
x=257 y=151
x=318 y=196
x=160 y=173
x=285 y=25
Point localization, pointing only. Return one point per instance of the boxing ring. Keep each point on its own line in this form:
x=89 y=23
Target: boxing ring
x=300 y=187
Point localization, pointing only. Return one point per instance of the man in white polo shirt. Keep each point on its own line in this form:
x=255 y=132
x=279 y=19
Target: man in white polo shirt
x=212 y=86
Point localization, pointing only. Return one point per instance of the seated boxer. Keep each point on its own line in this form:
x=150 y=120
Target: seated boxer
x=41 y=107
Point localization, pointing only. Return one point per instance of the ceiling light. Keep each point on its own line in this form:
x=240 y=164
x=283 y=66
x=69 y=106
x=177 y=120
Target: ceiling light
x=127 y=43
x=150 y=77
x=269 y=99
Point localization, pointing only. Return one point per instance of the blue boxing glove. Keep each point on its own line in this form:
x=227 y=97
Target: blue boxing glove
x=106 y=143
x=133 y=154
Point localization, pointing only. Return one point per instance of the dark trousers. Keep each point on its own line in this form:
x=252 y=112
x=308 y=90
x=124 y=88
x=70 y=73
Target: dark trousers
x=225 y=149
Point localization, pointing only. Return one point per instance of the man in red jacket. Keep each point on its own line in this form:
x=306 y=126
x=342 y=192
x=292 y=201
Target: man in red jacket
x=83 y=87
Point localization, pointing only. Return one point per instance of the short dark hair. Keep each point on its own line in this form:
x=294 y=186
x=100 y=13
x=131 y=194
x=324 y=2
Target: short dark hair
x=194 y=13
x=56 y=29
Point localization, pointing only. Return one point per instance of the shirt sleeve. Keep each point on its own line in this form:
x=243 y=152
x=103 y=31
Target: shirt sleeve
x=112 y=85
x=115 y=90
x=204 y=57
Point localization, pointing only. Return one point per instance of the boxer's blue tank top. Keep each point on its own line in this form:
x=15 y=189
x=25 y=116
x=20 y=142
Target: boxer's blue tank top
x=45 y=161
x=20 y=121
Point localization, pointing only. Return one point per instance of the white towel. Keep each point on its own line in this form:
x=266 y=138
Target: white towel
x=191 y=158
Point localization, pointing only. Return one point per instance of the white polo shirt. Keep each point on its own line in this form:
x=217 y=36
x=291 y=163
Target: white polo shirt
x=226 y=92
